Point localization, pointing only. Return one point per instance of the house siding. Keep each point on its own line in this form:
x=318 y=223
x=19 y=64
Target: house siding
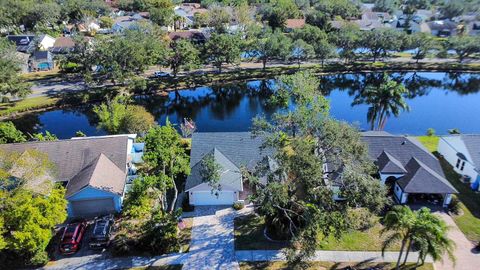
x=449 y=146
x=90 y=193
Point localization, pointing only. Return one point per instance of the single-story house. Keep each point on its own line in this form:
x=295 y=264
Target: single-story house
x=463 y=153
x=63 y=45
x=292 y=24
x=41 y=60
x=94 y=170
x=124 y=23
x=187 y=12
x=194 y=36
x=408 y=167
x=232 y=151
x=442 y=28
x=24 y=43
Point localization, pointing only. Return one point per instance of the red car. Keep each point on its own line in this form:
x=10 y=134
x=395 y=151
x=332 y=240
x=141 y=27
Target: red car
x=72 y=237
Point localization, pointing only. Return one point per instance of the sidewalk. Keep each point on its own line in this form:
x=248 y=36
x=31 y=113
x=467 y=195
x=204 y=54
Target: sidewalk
x=326 y=256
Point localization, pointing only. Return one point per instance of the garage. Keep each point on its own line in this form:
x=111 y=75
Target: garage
x=207 y=198
x=88 y=208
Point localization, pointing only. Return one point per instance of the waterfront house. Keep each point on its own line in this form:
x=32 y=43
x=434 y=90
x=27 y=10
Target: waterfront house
x=94 y=170
x=232 y=151
x=462 y=151
x=408 y=168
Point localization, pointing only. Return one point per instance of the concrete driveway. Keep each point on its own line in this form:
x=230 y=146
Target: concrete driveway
x=466 y=259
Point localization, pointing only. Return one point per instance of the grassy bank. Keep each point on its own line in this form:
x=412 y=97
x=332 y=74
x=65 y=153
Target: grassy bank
x=331 y=266
x=249 y=236
x=28 y=104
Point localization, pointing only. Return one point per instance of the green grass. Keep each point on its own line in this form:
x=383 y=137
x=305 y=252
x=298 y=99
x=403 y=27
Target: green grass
x=186 y=235
x=249 y=236
x=27 y=104
x=329 y=266
x=430 y=142
x=469 y=221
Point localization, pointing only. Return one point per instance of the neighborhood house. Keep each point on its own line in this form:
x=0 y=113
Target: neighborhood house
x=94 y=170
x=463 y=153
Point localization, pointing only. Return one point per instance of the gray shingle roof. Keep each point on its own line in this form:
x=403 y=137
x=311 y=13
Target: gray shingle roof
x=71 y=156
x=428 y=177
x=389 y=164
x=472 y=142
x=422 y=179
x=239 y=148
x=102 y=174
x=229 y=175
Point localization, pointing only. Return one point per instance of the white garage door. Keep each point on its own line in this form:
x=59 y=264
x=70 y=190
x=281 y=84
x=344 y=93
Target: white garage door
x=88 y=208
x=207 y=198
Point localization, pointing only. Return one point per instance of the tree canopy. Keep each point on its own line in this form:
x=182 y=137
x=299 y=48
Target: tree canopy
x=11 y=83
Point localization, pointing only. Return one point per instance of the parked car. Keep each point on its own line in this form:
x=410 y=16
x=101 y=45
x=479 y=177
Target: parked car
x=161 y=74
x=72 y=237
x=101 y=232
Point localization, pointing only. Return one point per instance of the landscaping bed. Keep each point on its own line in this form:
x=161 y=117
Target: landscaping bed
x=331 y=266
x=249 y=236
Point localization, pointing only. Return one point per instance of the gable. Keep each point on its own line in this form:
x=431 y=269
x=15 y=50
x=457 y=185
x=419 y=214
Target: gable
x=91 y=193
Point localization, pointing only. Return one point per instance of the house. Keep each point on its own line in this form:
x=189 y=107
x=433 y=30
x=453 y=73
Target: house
x=463 y=153
x=473 y=28
x=45 y=42
x=94 y=170
x=408 y=168
x=194 y=36
x=232 y=151
x=63 y=45
x=442 y=28
x=124 y=23
x=24 y=43
x=41 y=60
x=187 y=12
x=292 y=24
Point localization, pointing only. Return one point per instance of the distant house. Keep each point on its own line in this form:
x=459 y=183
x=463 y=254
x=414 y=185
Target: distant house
x=442 y=28
x=94 y=170
x=292 y=24
x=124 y=23
x=463 y=153
x=63 y=45
x=187 y=12
x=45 y=42
x=196 y=37
x=473 y=28
x=230 y=150
x=408 y=168
x=41 y=60
x=24 y=43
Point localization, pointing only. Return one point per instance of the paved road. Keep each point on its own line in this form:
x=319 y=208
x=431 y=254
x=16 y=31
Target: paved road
x=465 y=258
x=55 y=86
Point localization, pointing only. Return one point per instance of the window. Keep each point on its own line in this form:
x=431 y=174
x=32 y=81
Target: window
x=463 y=166
x=458 y=163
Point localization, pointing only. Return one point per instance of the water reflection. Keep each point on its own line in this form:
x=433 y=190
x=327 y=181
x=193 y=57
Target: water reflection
x=438 y=100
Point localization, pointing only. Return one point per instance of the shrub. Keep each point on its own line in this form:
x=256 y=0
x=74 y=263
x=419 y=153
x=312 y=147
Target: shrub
x=238 y=205
x=430 y=132
x=454 y=131
x=40 y=258
x=161 y=234
x=454 y=206
x=361 y=219
x=122 y=245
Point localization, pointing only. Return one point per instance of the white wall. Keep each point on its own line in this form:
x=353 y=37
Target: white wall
x=449 y=146
x=399 y=194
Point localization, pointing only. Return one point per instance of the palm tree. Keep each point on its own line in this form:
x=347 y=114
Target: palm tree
x=384 y=99
x=400 y=220
x=432 y=238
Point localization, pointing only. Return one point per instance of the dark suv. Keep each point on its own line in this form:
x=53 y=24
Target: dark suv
x=101 y=232
x=72 y=237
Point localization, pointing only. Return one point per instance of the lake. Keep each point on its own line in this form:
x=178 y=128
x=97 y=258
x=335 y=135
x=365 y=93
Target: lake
x=437 y=100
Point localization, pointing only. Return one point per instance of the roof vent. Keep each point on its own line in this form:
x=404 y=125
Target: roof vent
x=404 y=142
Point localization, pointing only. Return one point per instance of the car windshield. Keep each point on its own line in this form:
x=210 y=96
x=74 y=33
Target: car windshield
x=100 y=228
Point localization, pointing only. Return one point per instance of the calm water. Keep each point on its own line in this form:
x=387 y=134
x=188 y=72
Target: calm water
x=438 y=100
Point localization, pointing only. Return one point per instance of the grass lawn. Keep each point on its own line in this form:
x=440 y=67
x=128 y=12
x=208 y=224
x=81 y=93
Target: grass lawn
x=40 y=75
x=249 y=235
x=329 y=266
x=186 y=235
x=430 y=142
x=26 y=105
